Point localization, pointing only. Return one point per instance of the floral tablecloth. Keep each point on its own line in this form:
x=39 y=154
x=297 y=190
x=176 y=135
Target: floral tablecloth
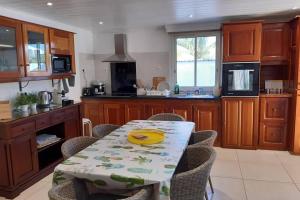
x=115 y=163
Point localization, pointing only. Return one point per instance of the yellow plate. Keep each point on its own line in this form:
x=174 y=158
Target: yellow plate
x=146 y=136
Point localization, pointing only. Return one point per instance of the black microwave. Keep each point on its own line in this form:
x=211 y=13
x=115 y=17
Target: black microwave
x=61 y=63
x=240 y=79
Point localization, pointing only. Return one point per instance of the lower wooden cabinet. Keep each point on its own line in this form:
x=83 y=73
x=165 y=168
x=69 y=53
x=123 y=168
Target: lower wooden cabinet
x=23 y=150
x=4 y=180
x=240 y=122
x=155 y=108
x=273 y=131
x=185 y=110
x=114 y=113
x=134 y=112
x=72 y=128
x=94 y=111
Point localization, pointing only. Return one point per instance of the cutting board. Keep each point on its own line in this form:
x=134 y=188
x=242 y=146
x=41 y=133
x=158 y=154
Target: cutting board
x=5 y=110
x=157 y=80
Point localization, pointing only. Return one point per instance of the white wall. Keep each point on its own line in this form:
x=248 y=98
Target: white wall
x=149 y=47
x=83 y=51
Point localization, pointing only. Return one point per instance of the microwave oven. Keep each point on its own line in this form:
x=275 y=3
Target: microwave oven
x=240 y=79
x=61 y=63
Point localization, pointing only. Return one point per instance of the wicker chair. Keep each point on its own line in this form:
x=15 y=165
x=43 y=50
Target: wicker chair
x=206 y=138
x=76 y=189
x=191 y=185
x=102 y=130
x=74 y=145
x=166 y=117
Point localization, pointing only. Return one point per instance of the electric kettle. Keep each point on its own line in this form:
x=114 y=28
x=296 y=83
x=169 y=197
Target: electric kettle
x=45 y=98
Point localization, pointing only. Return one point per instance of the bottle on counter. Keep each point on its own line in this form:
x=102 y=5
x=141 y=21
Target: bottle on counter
x=176 y=89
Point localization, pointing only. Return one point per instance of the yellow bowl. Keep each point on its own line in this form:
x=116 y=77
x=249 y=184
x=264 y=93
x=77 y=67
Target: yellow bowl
x=146 y=136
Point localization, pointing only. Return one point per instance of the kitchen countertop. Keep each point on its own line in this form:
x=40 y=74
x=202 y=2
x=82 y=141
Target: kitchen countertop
x=183 y=97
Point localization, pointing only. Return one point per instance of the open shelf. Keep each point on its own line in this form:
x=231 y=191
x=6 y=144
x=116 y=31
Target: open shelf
x=50 y=145
x=50 y=154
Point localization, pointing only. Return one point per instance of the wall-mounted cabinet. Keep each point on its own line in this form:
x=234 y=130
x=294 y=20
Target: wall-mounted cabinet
x=11 y=49
x=242 y=42
x=275 y=43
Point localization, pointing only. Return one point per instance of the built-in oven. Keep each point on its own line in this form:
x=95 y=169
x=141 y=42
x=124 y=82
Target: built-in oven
x=61 y=63
x=240 y=79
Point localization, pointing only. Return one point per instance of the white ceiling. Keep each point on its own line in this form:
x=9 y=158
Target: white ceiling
x=123 y=14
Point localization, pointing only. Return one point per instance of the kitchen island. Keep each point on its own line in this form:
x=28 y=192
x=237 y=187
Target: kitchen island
x=204 y=110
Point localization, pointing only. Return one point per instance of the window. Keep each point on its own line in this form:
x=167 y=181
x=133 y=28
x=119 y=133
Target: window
x=197 y=60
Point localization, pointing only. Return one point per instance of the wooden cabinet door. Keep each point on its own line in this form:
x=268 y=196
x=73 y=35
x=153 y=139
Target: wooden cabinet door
x=23 y=150
x=11 y=52
x=155 y=108
x=242 y=42
x=231 y=122
x=275 y=109
x=94 y=112
x=36 y=48
x=134 y=112
x=62 y=43
x=275 y=43
x=186 y=111
x=249 y=122
x=72 y=128
x=273 y=135
x=114 y=113
x=4 y=166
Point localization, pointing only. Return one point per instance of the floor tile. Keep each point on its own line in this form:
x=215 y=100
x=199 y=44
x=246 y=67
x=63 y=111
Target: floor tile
x=42 y=194
x=294 y=172
x=263 y=190
x=225 y=168
x=266 y=172
x=289 y=159
x=227 y=189
x=226 y=154
x=298 y=185
x=268 y=157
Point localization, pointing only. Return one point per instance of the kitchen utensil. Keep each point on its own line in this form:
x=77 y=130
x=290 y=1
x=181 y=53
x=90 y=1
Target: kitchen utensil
x=157 y=80
x=45 y=98
x=5 y=110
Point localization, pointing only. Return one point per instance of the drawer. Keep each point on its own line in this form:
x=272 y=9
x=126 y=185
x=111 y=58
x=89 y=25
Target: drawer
x=58 y=117
x=22 y=128
x=274 y=109
x=71 y=113
x=43 y=122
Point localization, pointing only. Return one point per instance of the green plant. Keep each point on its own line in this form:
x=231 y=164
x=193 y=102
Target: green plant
x=33 y=98
x=22 y=100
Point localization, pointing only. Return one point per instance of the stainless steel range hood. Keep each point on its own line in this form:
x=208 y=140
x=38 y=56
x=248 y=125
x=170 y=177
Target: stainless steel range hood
x=121 y=54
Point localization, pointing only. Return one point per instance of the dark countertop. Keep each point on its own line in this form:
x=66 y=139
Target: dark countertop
x=186 y=97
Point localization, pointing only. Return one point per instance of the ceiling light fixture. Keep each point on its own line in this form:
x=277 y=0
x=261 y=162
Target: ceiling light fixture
x=191 y=16
x=101 y=22
x=49 y=4
x=295 y=8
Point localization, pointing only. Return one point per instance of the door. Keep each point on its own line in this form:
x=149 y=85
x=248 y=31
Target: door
x=114 y=113
x=23 y=150
x=185 y=111
x=231 y=122
x=4 y=173
x=275 y=43
x=11 y=49
x=242 y=42
x=134 y=112
x=37 y=54
x=249 y=122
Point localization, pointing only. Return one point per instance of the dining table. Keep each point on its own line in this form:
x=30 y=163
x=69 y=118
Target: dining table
x=113 y=162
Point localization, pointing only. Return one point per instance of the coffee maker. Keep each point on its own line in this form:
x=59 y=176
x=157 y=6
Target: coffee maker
x=98 y=88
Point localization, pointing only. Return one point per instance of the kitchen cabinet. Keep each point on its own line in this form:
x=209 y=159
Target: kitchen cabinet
x=155 y=108
x=23 y=151
x=11 y=49
x=240 y=122
x=37 y=54
x=114 y=113
x=134 y=112
x=207 y=117
x=94 y=111
x=72 y=128
x=242 y=42
x=184 y=110
x=275 y=43
x=62 y=43
x=4 y=173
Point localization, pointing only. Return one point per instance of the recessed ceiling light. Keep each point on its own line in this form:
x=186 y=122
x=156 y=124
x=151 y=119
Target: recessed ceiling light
x=49 y=4
x=7 y=30
x=295 y=8
x=101 y=22
x=191 y=16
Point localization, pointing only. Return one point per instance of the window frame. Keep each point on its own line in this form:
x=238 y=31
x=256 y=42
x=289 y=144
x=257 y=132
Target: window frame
x=173 y=74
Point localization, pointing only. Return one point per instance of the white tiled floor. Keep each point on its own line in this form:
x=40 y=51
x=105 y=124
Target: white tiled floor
x=236 y=175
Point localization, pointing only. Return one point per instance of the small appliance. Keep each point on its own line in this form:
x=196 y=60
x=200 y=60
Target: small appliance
x=45 y=99
x=61 y=63
x=87 y=91
x=240 y=79
x=98 y=88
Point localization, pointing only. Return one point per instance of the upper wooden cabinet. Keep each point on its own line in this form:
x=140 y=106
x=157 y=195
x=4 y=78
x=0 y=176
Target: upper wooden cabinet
x=275 y=43
x=11 y=49
x=37 y=54
x=240 y=122
x=242 y=42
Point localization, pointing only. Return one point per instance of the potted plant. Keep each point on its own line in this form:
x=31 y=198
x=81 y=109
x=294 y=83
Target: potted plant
x=22 y=102
x=33 y=100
